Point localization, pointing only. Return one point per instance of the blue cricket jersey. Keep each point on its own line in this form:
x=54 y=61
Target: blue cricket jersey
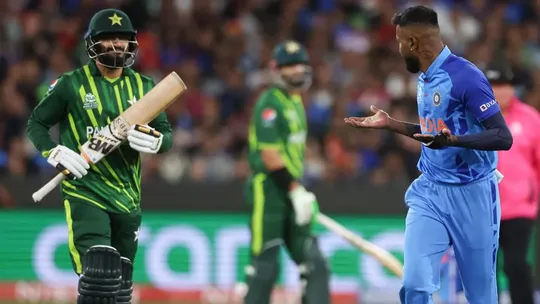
x=455 y=94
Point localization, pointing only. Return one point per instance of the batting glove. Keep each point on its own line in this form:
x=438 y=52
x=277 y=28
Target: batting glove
x=304 y=204
x=67 y=161
x=144 y=139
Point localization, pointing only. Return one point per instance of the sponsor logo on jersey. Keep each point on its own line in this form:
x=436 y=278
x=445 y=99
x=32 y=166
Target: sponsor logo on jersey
x=487 y=105
x=269 y=116
x=437 y=99
x=90 y=101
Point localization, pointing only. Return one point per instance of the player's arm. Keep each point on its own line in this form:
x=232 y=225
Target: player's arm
x=405 y=128
x=480 y=101
x=157 y=138
x=382 y=120
x=496 y=136
x=266 y=123
x=51 y=110
x=269 y=144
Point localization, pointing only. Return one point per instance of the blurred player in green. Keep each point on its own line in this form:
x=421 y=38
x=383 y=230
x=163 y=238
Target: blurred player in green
x=102 y=201
x=282 y=209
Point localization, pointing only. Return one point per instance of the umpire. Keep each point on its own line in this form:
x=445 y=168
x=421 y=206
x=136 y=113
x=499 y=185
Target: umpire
x=520 y=188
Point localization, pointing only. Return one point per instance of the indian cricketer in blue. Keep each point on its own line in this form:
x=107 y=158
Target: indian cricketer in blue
x=455 y=201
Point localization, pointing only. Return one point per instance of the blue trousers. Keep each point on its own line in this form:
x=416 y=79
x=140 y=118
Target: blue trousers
x=464 y=216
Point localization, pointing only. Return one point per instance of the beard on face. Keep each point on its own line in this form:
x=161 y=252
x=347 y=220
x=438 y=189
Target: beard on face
x=412 y=64
x=113 y=57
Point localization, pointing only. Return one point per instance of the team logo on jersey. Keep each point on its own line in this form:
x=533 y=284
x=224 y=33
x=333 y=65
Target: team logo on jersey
x=436 y=99
x=269 y=116
x=90 y=101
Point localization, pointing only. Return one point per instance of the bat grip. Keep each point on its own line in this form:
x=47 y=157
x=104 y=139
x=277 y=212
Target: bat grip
x=48 y=187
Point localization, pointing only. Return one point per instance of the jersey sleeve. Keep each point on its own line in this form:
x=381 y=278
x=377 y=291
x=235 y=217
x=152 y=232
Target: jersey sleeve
x=478 y=97
x=51 y=109
x=266 y=122
x=161 y=124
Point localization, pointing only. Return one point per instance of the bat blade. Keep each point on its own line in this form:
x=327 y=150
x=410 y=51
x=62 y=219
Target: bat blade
x=384 y=257
x=159 y=98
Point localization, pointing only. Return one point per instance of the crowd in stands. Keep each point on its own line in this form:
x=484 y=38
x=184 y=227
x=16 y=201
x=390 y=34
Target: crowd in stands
x=221 y=49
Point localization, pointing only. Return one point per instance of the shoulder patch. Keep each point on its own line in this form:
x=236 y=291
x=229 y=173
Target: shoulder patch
x=269 y=115
x=53 y=84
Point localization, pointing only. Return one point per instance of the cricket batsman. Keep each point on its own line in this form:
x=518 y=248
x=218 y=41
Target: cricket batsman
x=282 y=209
x=455 y=201
x=102 y=201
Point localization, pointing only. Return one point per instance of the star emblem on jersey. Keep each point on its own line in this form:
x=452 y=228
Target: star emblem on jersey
x=133 y=100
x=90 y=102
x=137 y=232
x=115 y=19
x=436 y=99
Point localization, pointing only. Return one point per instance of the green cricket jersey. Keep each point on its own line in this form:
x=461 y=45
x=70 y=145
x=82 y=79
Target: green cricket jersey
x=83 y=102
x=278 y=122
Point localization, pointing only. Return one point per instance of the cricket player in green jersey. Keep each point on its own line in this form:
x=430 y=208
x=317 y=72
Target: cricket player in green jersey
x=282 y=209
x=102 y=201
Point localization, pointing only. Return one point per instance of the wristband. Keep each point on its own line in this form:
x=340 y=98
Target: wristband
x=282 y=177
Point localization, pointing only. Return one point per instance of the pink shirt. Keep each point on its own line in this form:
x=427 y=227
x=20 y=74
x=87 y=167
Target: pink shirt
x=520 y=187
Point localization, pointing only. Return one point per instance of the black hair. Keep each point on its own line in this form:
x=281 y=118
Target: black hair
x=421 y=15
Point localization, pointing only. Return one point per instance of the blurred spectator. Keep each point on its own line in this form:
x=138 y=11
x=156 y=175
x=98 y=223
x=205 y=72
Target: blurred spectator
x=221 y=49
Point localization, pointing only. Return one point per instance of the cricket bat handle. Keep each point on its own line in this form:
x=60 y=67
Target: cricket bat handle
x=381 y=255
x=48 y=187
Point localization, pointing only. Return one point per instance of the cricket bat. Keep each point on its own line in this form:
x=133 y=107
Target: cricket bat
x=159 y=98
x=384 y=257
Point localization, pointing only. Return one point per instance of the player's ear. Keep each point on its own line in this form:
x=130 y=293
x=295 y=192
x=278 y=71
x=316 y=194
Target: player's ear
x=413 y=43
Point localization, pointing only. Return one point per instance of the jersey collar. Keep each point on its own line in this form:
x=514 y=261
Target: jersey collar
x=437 y=63
x=95 y=72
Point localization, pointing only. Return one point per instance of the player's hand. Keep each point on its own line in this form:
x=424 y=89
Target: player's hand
x=69 y=162
x=444 y=139
x=379 y=120
x=304 y=204
x=144 y=139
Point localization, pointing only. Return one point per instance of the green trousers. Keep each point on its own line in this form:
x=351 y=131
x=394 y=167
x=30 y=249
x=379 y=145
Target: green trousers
x=272 y=218
x=90 y=225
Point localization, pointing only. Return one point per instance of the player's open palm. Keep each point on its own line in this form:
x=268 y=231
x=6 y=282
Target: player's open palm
x=379 y=120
